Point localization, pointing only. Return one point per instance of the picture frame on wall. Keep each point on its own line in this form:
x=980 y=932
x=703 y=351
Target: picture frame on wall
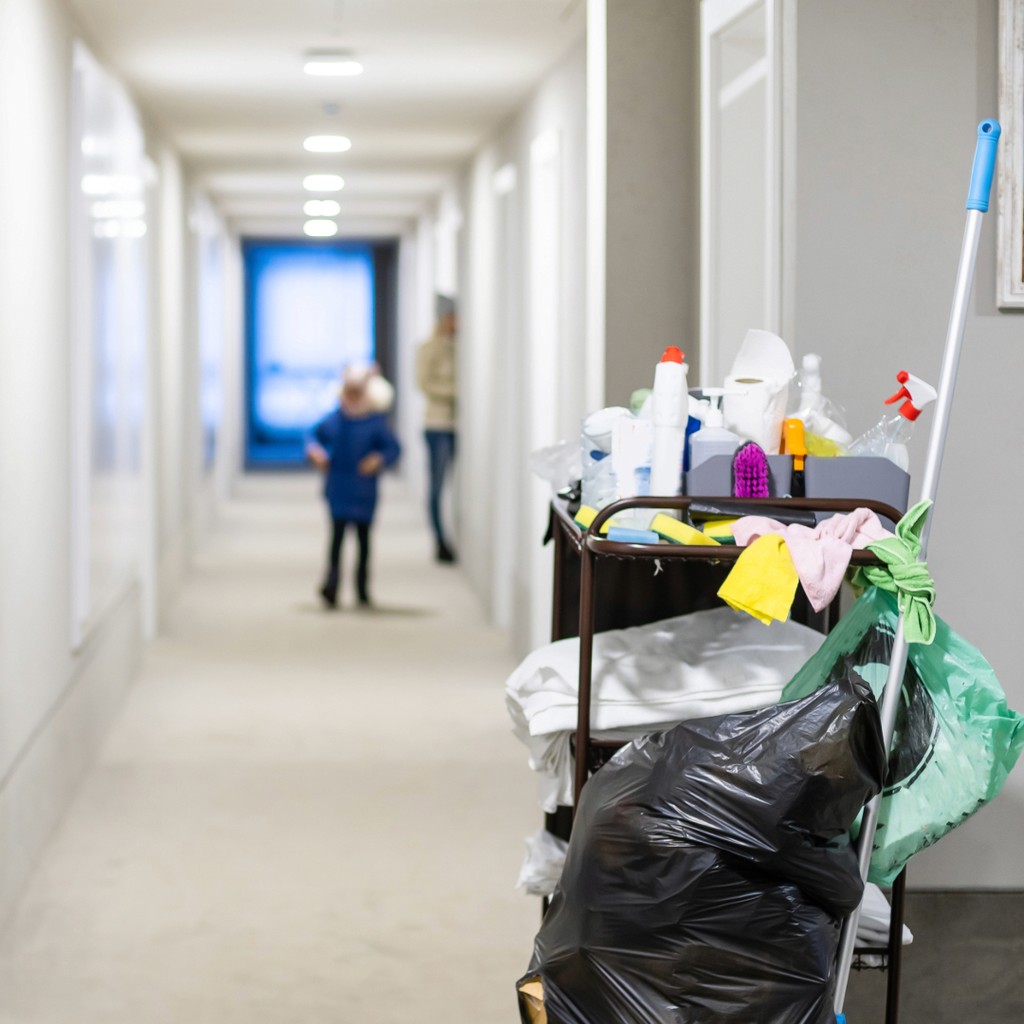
x=1010 y=173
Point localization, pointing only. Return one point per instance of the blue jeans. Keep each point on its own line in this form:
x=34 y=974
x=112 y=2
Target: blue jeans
x=441 y=448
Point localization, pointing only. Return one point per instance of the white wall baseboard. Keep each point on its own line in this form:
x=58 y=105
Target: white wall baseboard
x=38 y=790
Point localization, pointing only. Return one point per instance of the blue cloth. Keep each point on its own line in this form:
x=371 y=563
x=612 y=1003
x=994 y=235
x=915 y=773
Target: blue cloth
x=347 y=440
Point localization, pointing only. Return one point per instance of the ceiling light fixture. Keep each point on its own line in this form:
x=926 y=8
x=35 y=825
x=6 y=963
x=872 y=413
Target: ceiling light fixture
x=320 y=228
x=125 y=209
x=321 y=208
x=323 y=183
x=331 y=65
x=111 y=184
x=327 y=144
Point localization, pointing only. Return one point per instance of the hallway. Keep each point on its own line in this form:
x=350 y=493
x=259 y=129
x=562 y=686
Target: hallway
x=232 y=858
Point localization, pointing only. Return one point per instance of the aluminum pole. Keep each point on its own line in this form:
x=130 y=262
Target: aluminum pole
x=977 y=203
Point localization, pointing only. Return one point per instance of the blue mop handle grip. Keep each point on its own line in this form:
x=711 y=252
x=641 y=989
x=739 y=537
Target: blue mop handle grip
x=984 y=165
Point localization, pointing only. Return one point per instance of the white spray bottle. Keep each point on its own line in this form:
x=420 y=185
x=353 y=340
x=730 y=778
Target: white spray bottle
x=669 y=407
x=889 y=436
x=814 y=409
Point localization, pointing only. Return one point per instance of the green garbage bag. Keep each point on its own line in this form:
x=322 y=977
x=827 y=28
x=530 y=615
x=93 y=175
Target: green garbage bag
x=955 y=740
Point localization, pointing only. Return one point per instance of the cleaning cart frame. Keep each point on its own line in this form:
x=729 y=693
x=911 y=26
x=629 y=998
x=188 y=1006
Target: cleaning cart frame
x=706 y=567
x=593 y=543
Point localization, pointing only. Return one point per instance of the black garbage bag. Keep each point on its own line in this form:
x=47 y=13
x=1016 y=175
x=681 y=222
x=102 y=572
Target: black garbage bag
x=709 y=870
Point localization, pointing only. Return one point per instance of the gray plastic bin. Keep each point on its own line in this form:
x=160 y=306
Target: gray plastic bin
x=713 y=478
x=855 y=476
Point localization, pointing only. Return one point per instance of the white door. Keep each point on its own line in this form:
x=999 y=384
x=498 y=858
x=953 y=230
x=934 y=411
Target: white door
x=741 y=175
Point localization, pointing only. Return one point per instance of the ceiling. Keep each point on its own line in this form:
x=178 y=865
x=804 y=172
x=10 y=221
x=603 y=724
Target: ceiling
x=223 y=79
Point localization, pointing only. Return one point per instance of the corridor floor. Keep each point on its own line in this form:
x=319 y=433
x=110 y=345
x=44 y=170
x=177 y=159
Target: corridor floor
x=300 y=817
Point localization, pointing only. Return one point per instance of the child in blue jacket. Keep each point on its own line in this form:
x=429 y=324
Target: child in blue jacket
x=352 y=445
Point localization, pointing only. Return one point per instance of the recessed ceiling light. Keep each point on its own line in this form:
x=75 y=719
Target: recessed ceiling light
x=323 y=183
x=320 y=228
x=335 y=65
x=111 y=184
x=125 y=209
x=321 y=208
x=327 y=144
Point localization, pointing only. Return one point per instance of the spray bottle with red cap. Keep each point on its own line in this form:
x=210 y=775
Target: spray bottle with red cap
x=669 y=406
x=889 y=437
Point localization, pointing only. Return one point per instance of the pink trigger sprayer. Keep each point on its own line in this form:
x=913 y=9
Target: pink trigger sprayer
x=982 y=172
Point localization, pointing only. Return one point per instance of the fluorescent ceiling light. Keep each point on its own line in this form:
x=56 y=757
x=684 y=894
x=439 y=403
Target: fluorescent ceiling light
x=335 y=65
x=126 y=209
x=323 y=183
x=321 y=208
x=327 y=144
x=320 y=228
x=119 y=229
x=111 y=184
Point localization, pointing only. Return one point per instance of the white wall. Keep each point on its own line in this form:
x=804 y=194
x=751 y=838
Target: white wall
x=53 y=703
x=652 y=186
x=500 y=372
x=169 y=301
x=57 y=700
x=212 y=353
x=889 y=100
x=415 y=320
x=231 y=440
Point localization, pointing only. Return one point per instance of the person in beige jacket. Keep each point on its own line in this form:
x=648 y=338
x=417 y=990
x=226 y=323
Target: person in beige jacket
x=435 y=373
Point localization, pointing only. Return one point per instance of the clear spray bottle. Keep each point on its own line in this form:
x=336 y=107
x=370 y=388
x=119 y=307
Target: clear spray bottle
x=889 y=437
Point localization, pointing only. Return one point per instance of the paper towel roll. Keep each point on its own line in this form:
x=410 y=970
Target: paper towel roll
x=757 y=389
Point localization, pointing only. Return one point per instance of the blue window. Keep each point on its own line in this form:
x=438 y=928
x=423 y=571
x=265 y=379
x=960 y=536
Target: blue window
x=309 y=312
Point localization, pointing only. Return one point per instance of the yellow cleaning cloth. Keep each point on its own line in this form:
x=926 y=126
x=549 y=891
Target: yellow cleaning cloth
x=763 y=580
x=680 y=533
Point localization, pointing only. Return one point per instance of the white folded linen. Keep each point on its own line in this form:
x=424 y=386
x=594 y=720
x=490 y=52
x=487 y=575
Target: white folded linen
x=543 y=863
x=873 y=924
x=646 y=678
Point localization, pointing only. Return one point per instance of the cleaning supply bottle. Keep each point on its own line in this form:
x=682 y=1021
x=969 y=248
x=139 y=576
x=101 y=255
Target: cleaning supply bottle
x=669 y=405
x=819 y=416
x=712 y=439
x=889 y=436
x=795 y=444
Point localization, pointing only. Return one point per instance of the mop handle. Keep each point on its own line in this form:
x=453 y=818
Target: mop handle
x=984 y=166
x=982 y=173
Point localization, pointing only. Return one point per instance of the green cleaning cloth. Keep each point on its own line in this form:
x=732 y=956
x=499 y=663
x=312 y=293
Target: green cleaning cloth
x=903 y=575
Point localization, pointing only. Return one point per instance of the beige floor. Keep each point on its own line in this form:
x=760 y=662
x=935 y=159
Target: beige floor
x=300 y=817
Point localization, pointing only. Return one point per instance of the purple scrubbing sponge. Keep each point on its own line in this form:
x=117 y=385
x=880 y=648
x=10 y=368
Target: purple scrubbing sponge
x=750 y=472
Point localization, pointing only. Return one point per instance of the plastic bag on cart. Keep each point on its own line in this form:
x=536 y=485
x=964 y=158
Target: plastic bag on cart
x=709 y=869
x=955 y=740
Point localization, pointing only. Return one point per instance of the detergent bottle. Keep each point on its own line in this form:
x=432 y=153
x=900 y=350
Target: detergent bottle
x=712 y=439
x=669 y=411
x=888 y=438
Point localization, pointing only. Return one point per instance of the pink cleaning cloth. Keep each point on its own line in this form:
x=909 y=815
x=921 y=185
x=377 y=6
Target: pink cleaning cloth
x=820 y=555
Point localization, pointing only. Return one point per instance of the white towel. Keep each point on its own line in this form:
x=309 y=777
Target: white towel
x=647 y=678
x=873 y=924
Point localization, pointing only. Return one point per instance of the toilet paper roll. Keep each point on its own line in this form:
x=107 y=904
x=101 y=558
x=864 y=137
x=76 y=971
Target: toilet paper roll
x=754 y=409
x=757 y=389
